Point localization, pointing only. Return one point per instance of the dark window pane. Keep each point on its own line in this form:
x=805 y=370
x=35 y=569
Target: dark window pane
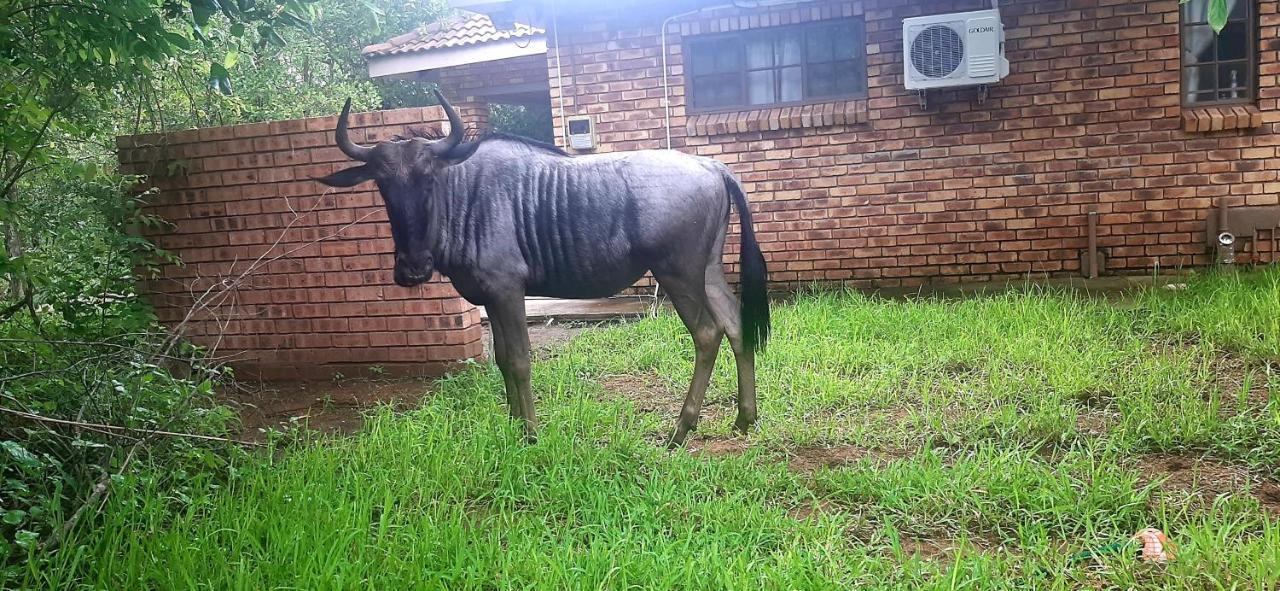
x=1202 y=97
x=788 y=49
x=1233 y=81
x=717 y=91
x=818 y=45
x=760 y=53
x=1197 y=44
x=728 y=58
x=1195 y=11
x=849 y=78
x=821 y=80
x=760 y=88
x=847 y=43
x=1237 y=9
x=790 y=85
x=1198 y=78
x=715 y=58
x=701 y=58
x=1233 y=42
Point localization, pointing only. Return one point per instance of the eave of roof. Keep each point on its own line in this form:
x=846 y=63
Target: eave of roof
x=466 y=30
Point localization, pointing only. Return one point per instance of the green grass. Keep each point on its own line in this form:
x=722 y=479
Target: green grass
x=998 y=436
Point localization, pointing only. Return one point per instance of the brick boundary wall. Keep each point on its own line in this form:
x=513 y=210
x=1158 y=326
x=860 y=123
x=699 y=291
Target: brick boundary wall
x=881 y=192
x=325 y=302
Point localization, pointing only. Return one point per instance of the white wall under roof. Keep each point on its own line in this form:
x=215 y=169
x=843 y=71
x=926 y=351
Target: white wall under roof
x=435 y=59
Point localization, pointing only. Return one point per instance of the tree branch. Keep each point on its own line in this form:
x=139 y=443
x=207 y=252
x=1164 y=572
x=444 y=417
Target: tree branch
x=116 y=430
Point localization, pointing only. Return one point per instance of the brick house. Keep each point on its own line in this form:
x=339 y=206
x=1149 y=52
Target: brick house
x=1133 y=109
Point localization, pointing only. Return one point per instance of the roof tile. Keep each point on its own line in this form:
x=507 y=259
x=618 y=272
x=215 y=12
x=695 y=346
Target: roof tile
x=469 y=29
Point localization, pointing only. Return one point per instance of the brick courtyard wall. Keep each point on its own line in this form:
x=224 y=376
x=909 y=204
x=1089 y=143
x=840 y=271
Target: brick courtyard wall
x=316 y=296
x=882 y=192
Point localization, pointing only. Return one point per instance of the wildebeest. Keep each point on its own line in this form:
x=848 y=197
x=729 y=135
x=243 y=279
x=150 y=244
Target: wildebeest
x=506 y=217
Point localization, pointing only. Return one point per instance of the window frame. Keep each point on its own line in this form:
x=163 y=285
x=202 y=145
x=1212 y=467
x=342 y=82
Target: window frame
x=1252 y=27
x=691 y=43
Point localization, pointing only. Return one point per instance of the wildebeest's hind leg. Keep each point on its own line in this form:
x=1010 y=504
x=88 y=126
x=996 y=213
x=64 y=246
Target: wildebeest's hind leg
x=507 y=316
x=690 y=300
x=725 y=308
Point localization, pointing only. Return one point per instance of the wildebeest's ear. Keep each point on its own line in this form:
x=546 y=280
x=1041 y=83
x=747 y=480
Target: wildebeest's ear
x=349 y=177
x=460 y=153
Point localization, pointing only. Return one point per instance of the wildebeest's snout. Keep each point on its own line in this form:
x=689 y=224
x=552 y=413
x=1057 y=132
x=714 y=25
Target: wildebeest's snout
x=411 y=270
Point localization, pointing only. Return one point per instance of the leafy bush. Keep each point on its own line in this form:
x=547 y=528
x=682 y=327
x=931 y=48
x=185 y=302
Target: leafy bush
x=86 y=351
x=529 y=122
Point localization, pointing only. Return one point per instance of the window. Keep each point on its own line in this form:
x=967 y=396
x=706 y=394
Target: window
x=1218 y=68
x=778 y=66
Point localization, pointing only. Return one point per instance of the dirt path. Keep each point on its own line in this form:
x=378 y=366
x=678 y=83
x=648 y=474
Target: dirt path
x=331 y=407
x=339 y=407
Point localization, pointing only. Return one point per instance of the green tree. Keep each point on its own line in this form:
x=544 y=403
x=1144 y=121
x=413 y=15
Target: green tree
x=62 y=61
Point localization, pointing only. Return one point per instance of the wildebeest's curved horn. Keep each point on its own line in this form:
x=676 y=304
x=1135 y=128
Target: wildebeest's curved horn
x=454 y=138
x=348 y=147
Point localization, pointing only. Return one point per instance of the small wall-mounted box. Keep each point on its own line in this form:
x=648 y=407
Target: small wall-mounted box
x=582 y=132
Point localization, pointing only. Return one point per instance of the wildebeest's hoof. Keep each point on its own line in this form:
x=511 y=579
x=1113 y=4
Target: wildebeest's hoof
x=744 y=424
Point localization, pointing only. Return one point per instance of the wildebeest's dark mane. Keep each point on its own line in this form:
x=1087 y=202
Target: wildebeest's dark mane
x=472 y=134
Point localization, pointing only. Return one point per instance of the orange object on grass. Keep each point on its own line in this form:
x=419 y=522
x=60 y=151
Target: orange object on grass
x=1156 y=547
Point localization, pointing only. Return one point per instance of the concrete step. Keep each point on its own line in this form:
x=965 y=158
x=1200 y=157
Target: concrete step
x=541 y=310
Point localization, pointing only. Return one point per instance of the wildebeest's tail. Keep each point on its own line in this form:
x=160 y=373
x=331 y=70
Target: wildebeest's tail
x=755 y=275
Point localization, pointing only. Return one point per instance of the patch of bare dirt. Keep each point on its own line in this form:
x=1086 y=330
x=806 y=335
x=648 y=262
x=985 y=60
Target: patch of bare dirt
x=1096 y=422
x=1233 y=376
x=646 y=392
x=1203 y=480
x=809 y=459
x=716 y=447
x=930 y=549
x=814 y=510
x=336 y=407
x=650 y=395
x=865 y=533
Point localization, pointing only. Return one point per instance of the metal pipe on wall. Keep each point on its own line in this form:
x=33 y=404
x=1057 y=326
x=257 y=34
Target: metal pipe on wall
x=555 y=33
x=1092 y=257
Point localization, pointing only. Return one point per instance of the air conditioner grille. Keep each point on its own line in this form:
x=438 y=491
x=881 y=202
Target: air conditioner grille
x=937 y=51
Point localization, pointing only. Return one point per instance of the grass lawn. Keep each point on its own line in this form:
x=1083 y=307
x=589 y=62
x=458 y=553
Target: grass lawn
x=976 y=443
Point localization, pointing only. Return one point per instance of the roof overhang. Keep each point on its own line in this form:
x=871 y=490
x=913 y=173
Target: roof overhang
x=448 y=57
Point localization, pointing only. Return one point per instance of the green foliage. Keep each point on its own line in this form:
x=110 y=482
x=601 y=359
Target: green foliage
x=87 y=349
x=529 y=122
x=310 y=74
x=76 y=342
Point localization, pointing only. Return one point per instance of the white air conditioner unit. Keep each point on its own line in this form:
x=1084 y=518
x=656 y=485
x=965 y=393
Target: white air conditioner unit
x=958 y=49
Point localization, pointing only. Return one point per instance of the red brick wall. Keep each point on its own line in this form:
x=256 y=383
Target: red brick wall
x=321 y=299
x=471 y=87
x=883 y=192
x=475 y=81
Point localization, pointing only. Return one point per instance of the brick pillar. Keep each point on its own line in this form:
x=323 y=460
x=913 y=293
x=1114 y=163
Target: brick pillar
x=474 y=112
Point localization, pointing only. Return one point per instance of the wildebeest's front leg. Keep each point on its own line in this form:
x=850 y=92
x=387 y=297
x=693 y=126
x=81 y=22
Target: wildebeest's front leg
x=507 y=317
x=509 y=384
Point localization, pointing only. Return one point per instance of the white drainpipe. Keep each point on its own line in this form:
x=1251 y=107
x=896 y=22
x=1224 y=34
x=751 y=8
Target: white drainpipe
x=555 y=32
